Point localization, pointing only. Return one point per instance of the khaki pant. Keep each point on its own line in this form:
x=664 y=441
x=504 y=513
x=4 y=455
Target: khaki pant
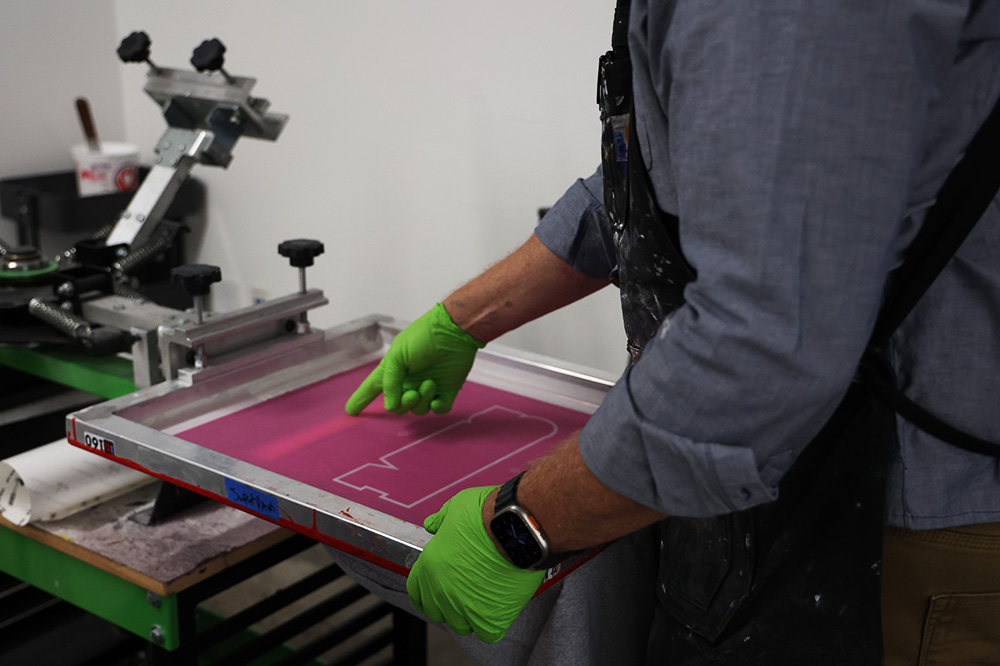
x=941 y=596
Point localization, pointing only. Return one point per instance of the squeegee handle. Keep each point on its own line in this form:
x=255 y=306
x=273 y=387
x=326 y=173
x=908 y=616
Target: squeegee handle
x=87 y=122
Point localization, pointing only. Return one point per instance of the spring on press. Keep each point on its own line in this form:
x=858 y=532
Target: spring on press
x=134 y=259
x=66 y=322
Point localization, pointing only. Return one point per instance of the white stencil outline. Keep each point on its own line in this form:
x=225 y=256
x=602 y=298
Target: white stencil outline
x=385 y=464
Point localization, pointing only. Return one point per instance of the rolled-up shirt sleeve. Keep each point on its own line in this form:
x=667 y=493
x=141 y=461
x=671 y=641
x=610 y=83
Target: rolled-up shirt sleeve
x=794 y=133
x=577 y=229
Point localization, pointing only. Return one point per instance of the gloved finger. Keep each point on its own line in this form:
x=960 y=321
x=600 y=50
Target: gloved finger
x=443 y=403
x=431 y=610
x=433 y=614
x=393 y=374
x=413 y=589
x=409 y=399
x=370 y=389
x=489 y=635
x=428 y=606
x=400 y=409
x=458 y=624
x=427 y=391
x=432 y=523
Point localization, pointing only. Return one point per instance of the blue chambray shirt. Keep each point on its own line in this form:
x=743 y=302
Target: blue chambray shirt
x=800 y=143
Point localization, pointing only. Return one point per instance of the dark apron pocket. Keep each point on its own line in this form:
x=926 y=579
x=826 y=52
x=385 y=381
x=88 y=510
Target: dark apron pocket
x=794 y=581
x=704 y=582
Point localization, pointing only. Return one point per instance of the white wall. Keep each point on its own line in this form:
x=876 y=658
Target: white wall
x=423 y=138
x=51 y=52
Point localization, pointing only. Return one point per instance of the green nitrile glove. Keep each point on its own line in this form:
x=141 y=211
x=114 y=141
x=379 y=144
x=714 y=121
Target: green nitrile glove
x=426 y=365
x=461 y=580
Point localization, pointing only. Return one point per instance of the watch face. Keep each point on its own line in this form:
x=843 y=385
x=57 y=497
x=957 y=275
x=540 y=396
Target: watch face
x=516 y=539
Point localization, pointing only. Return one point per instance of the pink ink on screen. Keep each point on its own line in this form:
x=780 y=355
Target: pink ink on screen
x=405 y=466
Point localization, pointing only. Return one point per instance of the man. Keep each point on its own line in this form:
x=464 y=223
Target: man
x=800 y=145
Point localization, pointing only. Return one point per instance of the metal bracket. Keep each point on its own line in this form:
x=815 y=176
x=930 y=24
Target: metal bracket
x=241 y=332
x=206 y=114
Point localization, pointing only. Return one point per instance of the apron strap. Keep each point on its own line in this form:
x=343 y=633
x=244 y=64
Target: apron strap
x=961 y=202
x=963 y=199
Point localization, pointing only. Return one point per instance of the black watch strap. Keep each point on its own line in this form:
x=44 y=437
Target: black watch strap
x=506 y=496
x=555 y=559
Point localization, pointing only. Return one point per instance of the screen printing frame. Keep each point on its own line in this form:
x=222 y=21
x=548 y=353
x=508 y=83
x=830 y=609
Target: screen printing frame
x=136 y=430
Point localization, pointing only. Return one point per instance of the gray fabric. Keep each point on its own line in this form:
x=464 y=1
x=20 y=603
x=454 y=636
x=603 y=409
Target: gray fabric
x=805 y=142
x=597 y=615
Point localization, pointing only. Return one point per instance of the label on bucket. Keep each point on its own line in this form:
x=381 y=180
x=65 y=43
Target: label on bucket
x=113 y=168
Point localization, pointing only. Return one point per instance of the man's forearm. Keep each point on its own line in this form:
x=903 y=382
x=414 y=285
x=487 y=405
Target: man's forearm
x=527 y=284
x=573 y=507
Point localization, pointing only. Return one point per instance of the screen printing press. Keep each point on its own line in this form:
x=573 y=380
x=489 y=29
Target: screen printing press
x=244 y=407
x=148 y=566
x=266 y=432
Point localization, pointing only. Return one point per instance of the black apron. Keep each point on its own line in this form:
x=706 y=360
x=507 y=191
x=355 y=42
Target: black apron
x=795 y=581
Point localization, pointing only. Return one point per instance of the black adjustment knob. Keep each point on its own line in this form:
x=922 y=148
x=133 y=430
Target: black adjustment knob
x=135 y=47
x=209 y=55
x=300 y=252
x=196 y=279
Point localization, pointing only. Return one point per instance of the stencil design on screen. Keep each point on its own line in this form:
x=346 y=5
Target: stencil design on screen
x=423 y=480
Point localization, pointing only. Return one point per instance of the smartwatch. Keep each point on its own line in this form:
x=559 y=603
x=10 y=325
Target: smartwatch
x=518 y=533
